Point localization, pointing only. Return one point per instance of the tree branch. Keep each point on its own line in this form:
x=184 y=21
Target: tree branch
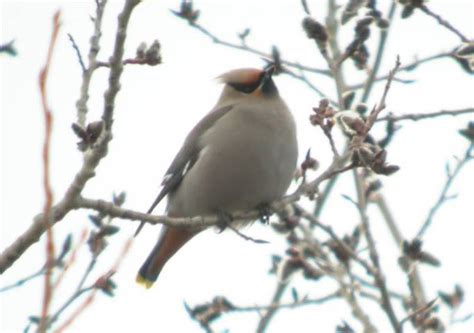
x=266 y=318
x=94 y=49
x=443 y=197
x=91 y=159
x=378 y=275
x=443 y=22
x=421 y=116
x=246 y=48
x=406 y=68
x=369 y=83
x=48 y=119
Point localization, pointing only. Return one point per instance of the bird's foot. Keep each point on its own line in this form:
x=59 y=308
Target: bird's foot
x=265 y=211
x=224 y=219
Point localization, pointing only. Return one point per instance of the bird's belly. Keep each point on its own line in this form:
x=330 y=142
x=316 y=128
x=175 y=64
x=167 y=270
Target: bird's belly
x=236 y=174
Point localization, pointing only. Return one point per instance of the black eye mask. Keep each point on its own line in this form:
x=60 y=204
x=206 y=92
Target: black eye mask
x=268 y=88
x=247 y=88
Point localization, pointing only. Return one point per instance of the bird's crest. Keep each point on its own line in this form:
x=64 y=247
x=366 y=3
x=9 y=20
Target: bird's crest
x=241 y=76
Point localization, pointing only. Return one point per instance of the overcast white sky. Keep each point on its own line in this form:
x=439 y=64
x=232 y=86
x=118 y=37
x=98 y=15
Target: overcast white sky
x=156 y=108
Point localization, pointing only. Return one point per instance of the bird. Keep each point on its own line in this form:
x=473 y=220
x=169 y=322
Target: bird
x=239 y=156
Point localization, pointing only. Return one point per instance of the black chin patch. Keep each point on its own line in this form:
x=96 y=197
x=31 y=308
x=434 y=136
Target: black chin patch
x=269 y=88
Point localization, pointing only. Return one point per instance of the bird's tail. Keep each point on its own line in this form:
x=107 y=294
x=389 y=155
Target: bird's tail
x=170 y=241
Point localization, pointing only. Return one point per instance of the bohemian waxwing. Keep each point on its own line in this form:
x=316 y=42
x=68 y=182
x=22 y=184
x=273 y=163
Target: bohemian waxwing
x=241 y=155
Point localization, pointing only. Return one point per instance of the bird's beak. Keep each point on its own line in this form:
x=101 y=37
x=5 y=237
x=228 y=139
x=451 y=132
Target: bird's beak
x=267 y=86
x=267 y=74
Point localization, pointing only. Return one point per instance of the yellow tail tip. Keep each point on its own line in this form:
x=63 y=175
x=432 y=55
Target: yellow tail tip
x=144 y=282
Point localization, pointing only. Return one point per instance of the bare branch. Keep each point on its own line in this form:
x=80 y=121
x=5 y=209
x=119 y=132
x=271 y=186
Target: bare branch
x=397 y=236
x=302 y=77
x=369 y=83
x=302 y=302
x=116 y=66
x=443 y=22
x=102 y=283
x=206 y=221
x=94 y=49
x=91 y=159
x=72 y=200
x=246 y=48
x=78 y=53
x=381 y=106
x=313 y=220
x=48 y=119
x=268 y=315
x=244 y=236
x=406 y=68
x=374 y=256
x=421 y=116
x=443 y=197
x=23 y=280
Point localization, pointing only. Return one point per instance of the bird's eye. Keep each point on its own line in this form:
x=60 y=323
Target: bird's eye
x=248 y=87
x=245 y=88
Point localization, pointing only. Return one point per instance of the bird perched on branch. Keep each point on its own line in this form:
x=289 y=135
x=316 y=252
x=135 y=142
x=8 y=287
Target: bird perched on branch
x=241 y=155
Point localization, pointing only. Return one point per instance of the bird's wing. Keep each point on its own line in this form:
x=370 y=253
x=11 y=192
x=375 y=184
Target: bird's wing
x=186 y=157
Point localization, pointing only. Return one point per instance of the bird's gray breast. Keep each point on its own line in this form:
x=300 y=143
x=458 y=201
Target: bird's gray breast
x=247 y=158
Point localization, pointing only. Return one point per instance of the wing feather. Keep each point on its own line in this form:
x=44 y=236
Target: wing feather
x=186 y=157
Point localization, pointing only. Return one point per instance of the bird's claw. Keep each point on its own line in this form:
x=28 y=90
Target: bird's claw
x=223 y=219
x=265 y=211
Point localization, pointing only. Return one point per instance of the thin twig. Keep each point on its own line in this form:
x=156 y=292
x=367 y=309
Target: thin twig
x=72 y=259
x=381 y=105
x=68 y=303
x=302 y=77
x=78 y=52
x=88 y=301
x=419 y=310
x=244 y=236
x=221 y=305
x=299 y=303
x=90 y=161
x=357 y=310
x=463 y=319
x=304 y=4
x=346 y=291
x=23 y=280
x=314 y=220
x=386 y=303
x=443 y=22
x=443 y=197
x=48 y=119
x=246 y=48
x=370 y=285
x=72 y=200
x=332 y=24
x=421 y=116
x=324 y=195
x=94 y=49
x=398 y=238
x=369 y=83
x=406 y=68
x=116 y=66
x=92 y=289
x=87 y=272
x=268 y=315
x=374 y=256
